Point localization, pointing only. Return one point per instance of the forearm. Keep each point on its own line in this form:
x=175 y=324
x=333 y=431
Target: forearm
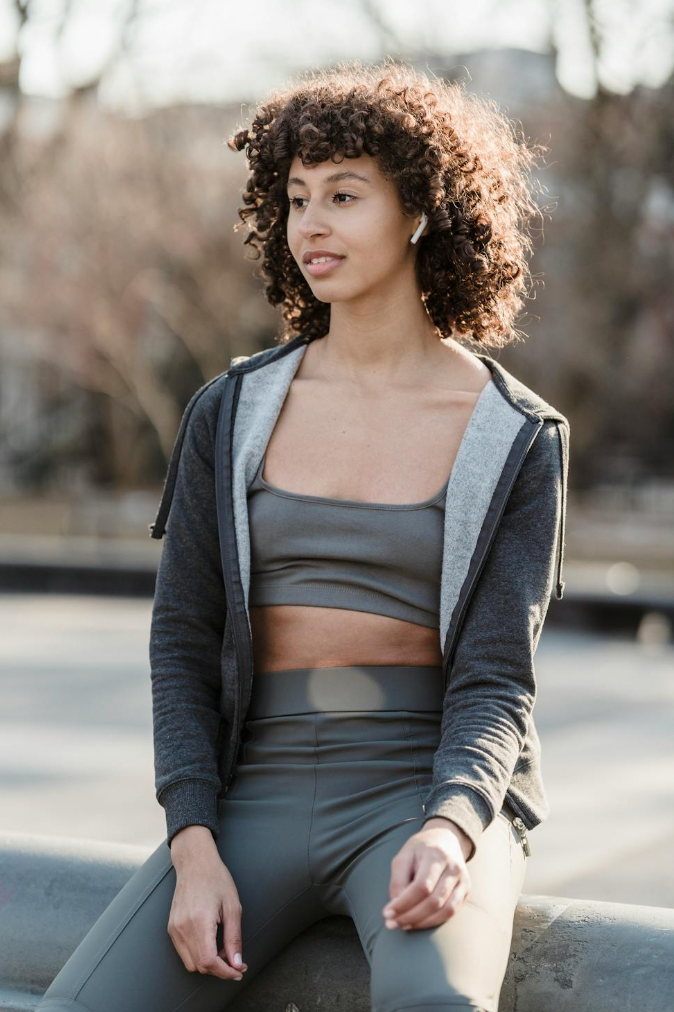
x=190 y=845
x=439 y=822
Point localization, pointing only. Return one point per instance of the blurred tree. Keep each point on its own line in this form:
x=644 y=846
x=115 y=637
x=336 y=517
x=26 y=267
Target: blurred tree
x=121 y=271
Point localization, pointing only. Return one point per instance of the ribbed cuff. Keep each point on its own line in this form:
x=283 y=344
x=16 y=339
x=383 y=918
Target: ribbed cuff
x=464 y=806
x=191 y=802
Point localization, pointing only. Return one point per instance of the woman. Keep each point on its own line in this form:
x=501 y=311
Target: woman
x=335 y=502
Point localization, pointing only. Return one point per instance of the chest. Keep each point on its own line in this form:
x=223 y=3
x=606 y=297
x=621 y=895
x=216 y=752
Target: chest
x=398 y=448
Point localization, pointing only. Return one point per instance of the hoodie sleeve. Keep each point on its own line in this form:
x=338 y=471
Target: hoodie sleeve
x=491 y=686
x=187 y=627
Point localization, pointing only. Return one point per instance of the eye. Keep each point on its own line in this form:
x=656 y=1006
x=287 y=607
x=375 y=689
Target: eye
x=349 y=195
x=338 y=194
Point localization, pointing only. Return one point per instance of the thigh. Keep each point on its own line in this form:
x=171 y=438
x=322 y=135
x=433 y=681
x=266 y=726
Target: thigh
x=461 y=962
x=127 y=961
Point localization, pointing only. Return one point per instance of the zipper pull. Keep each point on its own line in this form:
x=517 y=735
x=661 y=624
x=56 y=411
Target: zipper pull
x=522 y=830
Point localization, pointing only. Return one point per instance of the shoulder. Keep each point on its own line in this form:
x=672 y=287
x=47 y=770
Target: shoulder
x=200 y=417
x=204 y=403
x=202 y=410
x=545 y=458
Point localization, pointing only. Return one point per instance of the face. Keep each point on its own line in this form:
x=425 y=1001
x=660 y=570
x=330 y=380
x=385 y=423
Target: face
x=349 y=209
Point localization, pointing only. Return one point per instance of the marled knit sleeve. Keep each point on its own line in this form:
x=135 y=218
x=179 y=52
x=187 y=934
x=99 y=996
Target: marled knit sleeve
x=186 y=634
x=491 y=686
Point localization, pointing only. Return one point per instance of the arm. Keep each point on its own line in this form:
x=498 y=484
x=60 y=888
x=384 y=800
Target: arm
x=492 y=685
x=186 y=633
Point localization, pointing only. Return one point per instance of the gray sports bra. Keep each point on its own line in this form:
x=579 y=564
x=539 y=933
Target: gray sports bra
x=339 y=553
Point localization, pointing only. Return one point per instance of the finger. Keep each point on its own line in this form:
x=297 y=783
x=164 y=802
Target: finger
x=206 y=956
x=232 y=938
x=443 y=912
x=430 y=905
x=425 y=879
x=237 y=966
x=402 y=871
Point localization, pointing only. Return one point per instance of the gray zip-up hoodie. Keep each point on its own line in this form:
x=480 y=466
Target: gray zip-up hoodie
x=502 y=559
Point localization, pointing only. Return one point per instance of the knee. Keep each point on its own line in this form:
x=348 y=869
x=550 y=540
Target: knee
x=408 y=973
x=424 y=1001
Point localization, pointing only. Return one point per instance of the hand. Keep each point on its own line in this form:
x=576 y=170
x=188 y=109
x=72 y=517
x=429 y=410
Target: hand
x=429 y=878
x=205 y=896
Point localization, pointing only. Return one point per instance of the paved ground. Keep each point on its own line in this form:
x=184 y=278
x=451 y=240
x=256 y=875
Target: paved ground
x=76 y=743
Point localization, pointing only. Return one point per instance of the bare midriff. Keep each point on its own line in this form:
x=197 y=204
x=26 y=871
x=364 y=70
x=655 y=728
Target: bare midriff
x=303 y=636
x=395 y=448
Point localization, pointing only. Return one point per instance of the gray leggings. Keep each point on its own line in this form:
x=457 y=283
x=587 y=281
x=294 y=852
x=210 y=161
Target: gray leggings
x=334 y=767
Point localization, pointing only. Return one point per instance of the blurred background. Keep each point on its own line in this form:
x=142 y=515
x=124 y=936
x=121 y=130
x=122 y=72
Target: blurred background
x=123 y=288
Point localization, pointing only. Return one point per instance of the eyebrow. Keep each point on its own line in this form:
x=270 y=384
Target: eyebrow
x=332 y=178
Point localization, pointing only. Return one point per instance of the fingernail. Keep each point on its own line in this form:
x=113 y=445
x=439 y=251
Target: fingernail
x=237 y=958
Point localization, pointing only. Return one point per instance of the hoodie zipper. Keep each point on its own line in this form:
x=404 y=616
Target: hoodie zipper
x=449 y=647
x=229 y=549
x=564 y=452
x=243 y=640
x=522 y=832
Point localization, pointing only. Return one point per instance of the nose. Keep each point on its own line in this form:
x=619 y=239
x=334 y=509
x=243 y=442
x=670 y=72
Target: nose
x=310 y=223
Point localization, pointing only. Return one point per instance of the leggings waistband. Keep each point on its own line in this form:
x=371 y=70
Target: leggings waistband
x=352 y=687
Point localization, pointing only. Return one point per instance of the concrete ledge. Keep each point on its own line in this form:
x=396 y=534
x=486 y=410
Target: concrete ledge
x=566 y=954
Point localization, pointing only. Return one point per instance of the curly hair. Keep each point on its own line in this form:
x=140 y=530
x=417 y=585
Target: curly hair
x=452 y=154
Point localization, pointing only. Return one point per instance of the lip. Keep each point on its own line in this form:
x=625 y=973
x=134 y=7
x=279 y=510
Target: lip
x=317 y=270
x=318 y=253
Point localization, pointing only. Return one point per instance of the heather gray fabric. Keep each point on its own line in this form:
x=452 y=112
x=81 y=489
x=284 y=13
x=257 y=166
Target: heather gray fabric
x=502 y=560
x=355 y=781
x=339 y=553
